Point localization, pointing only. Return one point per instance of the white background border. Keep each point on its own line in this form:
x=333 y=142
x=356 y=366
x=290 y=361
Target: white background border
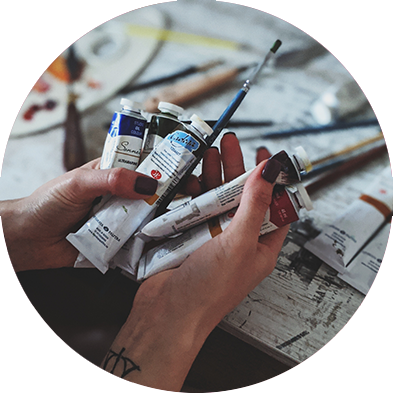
x=354 y=365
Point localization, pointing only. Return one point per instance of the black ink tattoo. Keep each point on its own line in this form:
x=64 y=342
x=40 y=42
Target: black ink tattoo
x=116 y=358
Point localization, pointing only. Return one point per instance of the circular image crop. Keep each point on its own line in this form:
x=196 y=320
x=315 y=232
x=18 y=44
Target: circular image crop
x=196 y=196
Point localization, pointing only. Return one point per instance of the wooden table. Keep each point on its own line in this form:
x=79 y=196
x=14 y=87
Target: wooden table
x=302 y=305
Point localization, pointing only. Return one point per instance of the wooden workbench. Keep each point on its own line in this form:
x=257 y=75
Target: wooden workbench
x=302 y=305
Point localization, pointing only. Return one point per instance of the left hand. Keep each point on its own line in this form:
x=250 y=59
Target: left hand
x=35 y=227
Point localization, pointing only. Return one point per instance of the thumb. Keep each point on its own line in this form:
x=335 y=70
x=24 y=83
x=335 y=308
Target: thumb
x=89 y=184
x=256 y=199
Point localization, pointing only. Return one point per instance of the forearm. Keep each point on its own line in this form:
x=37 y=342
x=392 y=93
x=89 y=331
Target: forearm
x=160 y=340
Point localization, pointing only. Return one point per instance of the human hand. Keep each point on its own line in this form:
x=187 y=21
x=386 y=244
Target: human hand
x=35 y=227
x=175 y=310
x=220 y=274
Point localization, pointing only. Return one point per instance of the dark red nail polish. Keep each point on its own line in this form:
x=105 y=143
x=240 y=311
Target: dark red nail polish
x=229 y=133
x=263 y=154
x=271 y=170
x=145 y=185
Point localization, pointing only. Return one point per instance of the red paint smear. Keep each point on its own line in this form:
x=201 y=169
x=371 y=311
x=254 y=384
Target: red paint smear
x=32 y=110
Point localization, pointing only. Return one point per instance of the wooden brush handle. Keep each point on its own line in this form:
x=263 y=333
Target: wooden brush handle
x=74 y=152
x=184 y=92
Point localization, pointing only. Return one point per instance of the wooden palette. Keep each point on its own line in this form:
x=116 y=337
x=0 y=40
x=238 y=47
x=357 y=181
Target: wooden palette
x=112 y=58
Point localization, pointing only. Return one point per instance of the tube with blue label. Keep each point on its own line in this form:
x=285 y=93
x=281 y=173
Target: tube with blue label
x=123 y=143
x=101 y=237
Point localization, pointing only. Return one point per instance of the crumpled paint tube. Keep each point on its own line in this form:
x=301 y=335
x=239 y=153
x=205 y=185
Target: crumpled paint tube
x=219 y=200
x=361 y=272
x=284 y=209
x=340 y=241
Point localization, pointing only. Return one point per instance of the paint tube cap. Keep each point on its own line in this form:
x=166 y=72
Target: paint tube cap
x=130 y=104
x=303 y=159
x=170 y=108
x=201 y=125
x=303 y=197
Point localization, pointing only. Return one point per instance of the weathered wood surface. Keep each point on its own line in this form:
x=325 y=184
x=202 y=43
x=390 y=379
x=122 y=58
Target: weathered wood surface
x=294 y=312
x=302 y=305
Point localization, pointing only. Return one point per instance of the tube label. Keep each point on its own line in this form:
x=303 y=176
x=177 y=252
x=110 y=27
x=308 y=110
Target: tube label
x=340 y=241
x=124 y=142
x=172 y=253
x=107 y=231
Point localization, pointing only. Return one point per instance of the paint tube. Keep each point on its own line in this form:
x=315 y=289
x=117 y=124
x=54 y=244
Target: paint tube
x=126 y=132
x=128 y=256
x=219 y=200
x=109 y=228
x=123 y=143
x=363 y=269
x=293 y=166
x=284 y=209
x=339 y=242
x=198 y=210
x=160 y=126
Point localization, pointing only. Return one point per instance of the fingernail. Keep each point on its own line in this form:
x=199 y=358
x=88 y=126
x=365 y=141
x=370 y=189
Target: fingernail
x=145 y=185
x=229 y=133
x=271 y=170
x=263 y=153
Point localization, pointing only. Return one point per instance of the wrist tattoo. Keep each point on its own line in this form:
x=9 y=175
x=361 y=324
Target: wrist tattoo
x=112 y=359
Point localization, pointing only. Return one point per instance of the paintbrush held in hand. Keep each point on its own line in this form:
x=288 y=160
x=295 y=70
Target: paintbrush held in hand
x=74 y=151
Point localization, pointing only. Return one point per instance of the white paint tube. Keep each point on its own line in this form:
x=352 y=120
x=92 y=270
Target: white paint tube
x=219 y=200
x=361 y=272
x=122 y=148
x=128 y=256
x=284 y=209
x=339 y=242
x=109 y=228
x=198 y=210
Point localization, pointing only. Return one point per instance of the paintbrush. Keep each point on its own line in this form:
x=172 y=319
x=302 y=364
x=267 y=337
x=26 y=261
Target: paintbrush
x=74 y=152
x=171 y=77
x=222 y=122
x=231 y=123
x=319 y=178
x=348 y=149
x=318 y=129
x=299 y=57
x=185 y=92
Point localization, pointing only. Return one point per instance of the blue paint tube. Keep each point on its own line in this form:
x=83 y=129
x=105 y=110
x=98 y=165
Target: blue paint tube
x=123 y=143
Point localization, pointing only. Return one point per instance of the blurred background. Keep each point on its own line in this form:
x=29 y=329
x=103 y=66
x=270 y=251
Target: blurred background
x=298 y=90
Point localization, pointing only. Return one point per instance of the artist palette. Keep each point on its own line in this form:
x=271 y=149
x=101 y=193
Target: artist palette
x=111 y=58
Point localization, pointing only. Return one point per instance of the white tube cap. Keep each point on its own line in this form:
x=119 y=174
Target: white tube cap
x=302 y=157
x=201 y=125
x=170 y=108
x=131 y=104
